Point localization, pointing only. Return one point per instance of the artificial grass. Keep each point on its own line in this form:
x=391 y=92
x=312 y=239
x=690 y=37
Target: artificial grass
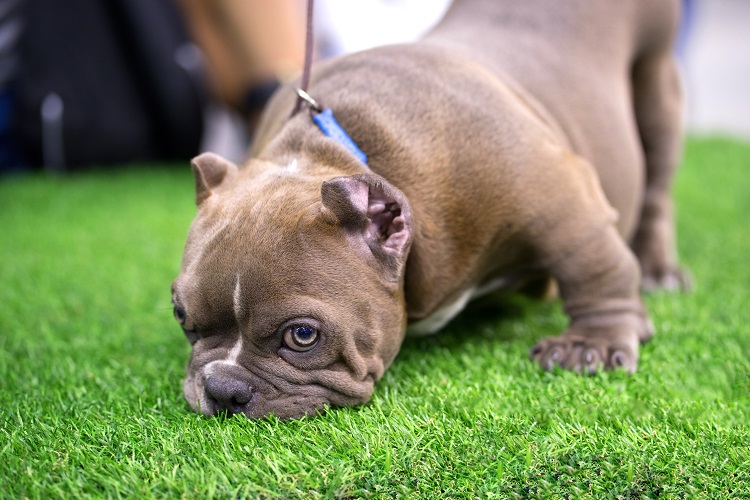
x=91 y=364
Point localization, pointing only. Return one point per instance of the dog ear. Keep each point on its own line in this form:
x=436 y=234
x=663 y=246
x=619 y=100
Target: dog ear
x=210 y=170
x=376 y=214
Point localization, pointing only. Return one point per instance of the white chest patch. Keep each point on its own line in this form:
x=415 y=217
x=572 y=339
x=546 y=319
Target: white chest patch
x=438 y=319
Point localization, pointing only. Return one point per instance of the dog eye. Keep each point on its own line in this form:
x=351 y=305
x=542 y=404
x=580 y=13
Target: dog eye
x=301 y=337
x=179 y=314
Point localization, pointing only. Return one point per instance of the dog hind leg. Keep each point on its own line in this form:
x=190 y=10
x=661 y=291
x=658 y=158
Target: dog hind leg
x=658 y=101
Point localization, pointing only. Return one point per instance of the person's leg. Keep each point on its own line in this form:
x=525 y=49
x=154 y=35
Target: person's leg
x=249 y=44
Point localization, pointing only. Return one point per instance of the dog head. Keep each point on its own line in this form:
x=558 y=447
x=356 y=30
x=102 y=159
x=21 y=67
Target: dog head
x=291 y=287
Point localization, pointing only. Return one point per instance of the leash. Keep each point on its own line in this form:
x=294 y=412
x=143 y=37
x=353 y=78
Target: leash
x=322 y=117
x=305 y=81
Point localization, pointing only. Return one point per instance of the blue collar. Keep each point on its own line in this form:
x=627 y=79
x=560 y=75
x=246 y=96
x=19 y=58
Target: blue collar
x=327 y=124
x=330 y=127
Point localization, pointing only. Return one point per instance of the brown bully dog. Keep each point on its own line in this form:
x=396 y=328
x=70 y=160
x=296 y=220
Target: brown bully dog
x=516 y=139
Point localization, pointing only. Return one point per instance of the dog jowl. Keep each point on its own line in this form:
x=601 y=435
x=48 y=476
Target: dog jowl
x=497 y=150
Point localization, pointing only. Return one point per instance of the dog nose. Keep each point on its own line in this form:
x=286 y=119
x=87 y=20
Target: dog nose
x=227 y=394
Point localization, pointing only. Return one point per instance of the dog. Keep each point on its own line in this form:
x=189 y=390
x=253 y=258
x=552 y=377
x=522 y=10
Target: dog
x=516 y=140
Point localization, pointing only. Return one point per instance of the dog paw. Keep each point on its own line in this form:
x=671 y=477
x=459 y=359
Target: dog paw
x=672 y=279
x=587 y=354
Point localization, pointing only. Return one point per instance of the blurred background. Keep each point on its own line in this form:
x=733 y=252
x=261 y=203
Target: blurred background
x=85 y=82
x=715 y=58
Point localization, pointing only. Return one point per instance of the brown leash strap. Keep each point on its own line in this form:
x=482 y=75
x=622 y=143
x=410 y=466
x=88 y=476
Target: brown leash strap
x=305 y=82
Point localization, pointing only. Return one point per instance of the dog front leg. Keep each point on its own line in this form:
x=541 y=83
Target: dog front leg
x=598 y=283
x=577 y=241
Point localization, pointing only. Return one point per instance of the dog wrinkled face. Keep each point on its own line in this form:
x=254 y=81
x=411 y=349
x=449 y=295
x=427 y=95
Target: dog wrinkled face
x=290 y=289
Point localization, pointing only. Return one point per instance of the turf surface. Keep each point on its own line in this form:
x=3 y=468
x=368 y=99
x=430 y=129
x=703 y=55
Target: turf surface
x=91 y=364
